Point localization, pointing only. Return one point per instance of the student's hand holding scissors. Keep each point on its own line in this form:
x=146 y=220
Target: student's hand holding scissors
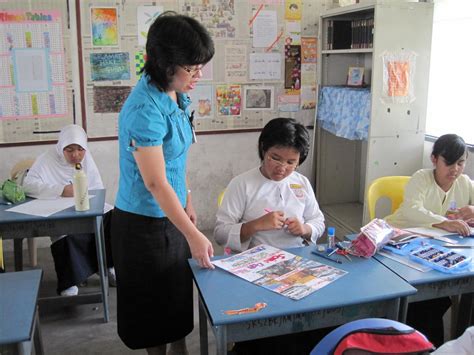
x=455 y=226
x=295 y=227
x=272 y=220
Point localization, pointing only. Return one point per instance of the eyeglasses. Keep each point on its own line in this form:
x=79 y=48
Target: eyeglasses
x=284 y=165
x=192 y=71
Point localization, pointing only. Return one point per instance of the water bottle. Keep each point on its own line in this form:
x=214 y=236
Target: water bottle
x=80 y=187
x=331 y=238
x=451 y=210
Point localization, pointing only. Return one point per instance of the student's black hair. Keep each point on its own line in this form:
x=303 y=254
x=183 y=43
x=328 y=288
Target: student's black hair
x=175 y=40
x=451 y=147
x=284 y=132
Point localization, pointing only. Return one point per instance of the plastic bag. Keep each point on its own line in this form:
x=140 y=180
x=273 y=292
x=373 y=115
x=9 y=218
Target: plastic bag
x=373 y=237
x=13 y=192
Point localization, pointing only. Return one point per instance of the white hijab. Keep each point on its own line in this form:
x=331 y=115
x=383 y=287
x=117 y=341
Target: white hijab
x=51 y=171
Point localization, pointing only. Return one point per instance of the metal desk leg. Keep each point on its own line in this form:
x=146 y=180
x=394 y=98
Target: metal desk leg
x=18 y=253
x=394 y=309
x=221 y=340
x=402 y=315
x=104 y=285
x=38 y=341
x=202 y=328
x=464 y=313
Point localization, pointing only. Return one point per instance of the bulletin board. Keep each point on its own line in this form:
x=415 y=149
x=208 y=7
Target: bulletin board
x=89 y=53
x=36 y=90
x=264 y=64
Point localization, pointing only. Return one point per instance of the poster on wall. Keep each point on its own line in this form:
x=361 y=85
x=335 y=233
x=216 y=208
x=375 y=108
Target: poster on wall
x=398 y=76
x=32 y=65
x=229 y=100
x=258 y=98
x=145 y=17
x=110 y=99
x=110 y=66
x=104 y=27
x=201 y=101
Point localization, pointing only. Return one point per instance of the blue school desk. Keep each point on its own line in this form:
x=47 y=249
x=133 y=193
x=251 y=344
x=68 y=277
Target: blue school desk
x=436 y=284
x=368 y=290
x=19 y=321
x=19 y=225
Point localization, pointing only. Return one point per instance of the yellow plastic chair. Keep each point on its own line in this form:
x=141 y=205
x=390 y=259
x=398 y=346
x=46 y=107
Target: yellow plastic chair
x=392 y=187
x=220 y=198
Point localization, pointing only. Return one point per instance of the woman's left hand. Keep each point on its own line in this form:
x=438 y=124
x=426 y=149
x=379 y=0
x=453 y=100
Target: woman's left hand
x=465 y=213
x=295 y=227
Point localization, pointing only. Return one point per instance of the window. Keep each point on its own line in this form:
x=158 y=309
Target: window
x=451 y=85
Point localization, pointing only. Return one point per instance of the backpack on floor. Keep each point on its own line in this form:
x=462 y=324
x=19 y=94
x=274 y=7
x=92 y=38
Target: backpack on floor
x=373 y=336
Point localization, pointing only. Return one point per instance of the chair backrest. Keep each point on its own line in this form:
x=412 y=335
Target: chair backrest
x=373 y=336
x=387 y=186
x=220 y=198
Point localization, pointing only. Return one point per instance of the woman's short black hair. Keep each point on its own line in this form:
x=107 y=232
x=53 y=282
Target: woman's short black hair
x=175 y=40
x=284 y=132
x=451 y=147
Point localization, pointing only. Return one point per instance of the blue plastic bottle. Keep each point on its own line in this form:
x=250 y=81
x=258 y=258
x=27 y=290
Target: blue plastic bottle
x=331 y=238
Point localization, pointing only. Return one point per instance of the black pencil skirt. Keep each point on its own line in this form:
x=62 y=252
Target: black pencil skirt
x=154 y=281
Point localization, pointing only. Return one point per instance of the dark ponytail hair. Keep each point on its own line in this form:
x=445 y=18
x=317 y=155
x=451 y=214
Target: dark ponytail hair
x=451 y=147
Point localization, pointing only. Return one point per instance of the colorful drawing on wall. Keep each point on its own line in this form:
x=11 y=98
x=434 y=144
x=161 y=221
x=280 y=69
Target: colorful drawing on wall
x=145 y=17
x=110 y=66
x=229 y=100
x=110 y=99
x=32 y=65
x=104 y=28
x=293 y=67
x=258 y=98
x=202 y=104
x=293 y=9
x=218 y=16
x=140 y=58
x=309 y=47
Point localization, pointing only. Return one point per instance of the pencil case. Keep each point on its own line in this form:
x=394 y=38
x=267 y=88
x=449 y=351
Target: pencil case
x=440 y=258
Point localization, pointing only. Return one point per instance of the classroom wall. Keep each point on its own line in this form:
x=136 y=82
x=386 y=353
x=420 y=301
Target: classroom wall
x=213 y=161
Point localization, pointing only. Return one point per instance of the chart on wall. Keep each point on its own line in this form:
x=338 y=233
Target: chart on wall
x=35 y=97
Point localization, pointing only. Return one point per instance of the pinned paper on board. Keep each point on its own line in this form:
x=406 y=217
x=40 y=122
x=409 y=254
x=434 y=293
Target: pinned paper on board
x=398 y=77
x=104 y=27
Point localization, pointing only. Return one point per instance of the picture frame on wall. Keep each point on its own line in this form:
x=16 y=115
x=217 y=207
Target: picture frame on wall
x=355 y=76
x=259 y=98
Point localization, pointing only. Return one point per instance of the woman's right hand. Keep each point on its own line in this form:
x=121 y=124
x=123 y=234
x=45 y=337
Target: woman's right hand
x=68 y=191
x=455 y=226
x=201 y=250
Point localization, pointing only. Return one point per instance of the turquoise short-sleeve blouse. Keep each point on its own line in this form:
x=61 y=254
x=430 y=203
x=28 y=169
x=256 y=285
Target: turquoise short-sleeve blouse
x=149 y=118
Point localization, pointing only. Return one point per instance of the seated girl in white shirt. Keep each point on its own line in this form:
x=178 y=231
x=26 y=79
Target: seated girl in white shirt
x=272 y=204
x=50 y=177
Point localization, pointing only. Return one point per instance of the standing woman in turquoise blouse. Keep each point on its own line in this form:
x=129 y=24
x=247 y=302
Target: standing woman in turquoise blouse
x=154 y=231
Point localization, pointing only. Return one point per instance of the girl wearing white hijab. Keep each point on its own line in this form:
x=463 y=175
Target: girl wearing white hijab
x=51 y=177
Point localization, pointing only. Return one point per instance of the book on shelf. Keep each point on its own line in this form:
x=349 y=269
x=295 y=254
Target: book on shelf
x=349 y=34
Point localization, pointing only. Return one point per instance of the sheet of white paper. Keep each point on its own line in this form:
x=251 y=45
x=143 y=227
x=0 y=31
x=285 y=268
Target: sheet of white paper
x=44 y=208
x=264 y=29
x=433 y=232
x=265 y=66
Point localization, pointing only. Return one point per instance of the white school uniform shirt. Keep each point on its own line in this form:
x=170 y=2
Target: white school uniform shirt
x=250 y=194
x=425 y=203
x=51 y=172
